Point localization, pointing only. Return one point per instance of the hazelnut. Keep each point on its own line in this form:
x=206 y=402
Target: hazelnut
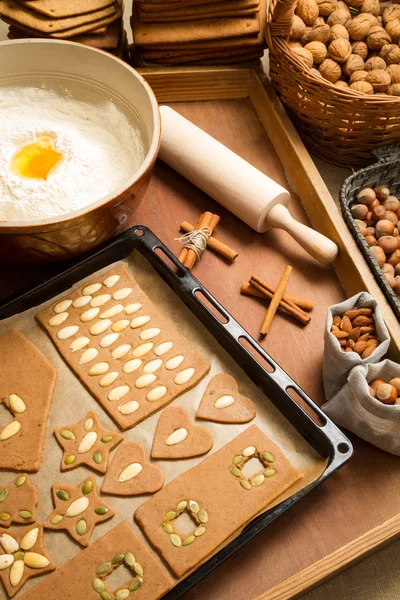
x=375 y=383
x=318 y=50
x=360 y=48
x=353 y=63
x=386 y=393
x=374 y=63
x=359 y=211
x=320 y=33
x=371 y=6
x=307 y=10
x=388 y=269
x=371 y=240
x=330 y=70
x=384 y=227
x=298 y=28
x=379 y=255
x=391 y=12
x=370 y=230
x=360 y=26
x=340 y=16
x=395 y=382
x=374 y=204
x=394 y=73
x=379 y=79
x=392 y=203
x=367 y=196
x=358 y=76
x=391 y=216
x=378 y=214
x=362 y=226
x=390 y=280
x=397 y=270
x=397 y=284
x=339 y=50
x=394 y=258
x=382 y=192
x=304 y=55
x=339 y=31
x=390 y=54
x=377 y=38
x=394 y=89
x=326 y=7
x=388 y=244
x=393 y=30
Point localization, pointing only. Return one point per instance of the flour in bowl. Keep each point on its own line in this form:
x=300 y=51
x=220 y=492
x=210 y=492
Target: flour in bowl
x=58 y=155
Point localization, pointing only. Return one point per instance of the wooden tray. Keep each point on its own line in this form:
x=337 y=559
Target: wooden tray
x=358 y=509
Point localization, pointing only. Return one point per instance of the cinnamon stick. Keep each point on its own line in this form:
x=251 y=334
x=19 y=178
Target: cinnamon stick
x=303 y=303
x=288 y=306
x=208 y=220
x=276 y=300
x=213 y=243
x=184 y=252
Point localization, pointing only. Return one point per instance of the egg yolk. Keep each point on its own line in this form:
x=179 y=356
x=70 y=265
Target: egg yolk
x=37 y=159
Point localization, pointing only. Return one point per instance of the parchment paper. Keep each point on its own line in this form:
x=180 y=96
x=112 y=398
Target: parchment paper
x=71 y=402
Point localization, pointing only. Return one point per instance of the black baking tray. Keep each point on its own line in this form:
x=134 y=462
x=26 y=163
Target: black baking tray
x=386 y=171
x=328 y=441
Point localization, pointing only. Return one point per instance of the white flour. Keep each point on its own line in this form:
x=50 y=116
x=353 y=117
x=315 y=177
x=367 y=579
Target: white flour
x=101 y=151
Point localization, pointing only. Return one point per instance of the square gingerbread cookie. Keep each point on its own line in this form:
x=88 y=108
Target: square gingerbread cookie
x=127 y=354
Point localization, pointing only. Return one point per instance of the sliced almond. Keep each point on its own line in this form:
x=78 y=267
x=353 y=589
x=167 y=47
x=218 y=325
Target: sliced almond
x=91 y=289
x=118 y=393
x=142 y=349
x=152 y=366
x=8 y=543
x=184 y=376
x=224 y=402
x=100 y=300
x=163 y=348
x=30 y=539
x=145 y=380
x=130 y=309
x=122 y=293
x=17 y=405
x=87 y=442
x=81 y=301
x=109 y=379
x=99 y=368
x=16 y=572
x=149 y=334
x=130 y=472
x=120 y=325
x=89 y=315
x=132 y=365
x=100 y=327
x=35 y=560
x=156 y=393
x=79 y=343
x=88 y=355
x=111 y=280
x=121 y=351
x=67 y=332
x=111 y=312
x=109 y=340
x=62 y=306
x=128 y=408
x=77 y=507
x=177 y=436
x=10 y=430
x=6 y=560
x=173 y=363
x=58 y=319
x=140 y=321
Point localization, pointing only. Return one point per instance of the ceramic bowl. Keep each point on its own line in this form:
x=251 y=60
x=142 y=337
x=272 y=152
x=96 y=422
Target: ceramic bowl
x=95 y=77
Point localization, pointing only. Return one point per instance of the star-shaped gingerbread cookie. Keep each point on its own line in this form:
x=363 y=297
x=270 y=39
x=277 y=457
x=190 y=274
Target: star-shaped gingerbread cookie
x=78 y=509
x=86 y=443
x=22 y=555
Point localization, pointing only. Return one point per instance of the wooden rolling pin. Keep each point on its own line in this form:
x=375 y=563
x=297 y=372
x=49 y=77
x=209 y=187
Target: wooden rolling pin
x=238 y=186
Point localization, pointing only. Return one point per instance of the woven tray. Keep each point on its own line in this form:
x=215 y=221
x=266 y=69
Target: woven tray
x=384 y=172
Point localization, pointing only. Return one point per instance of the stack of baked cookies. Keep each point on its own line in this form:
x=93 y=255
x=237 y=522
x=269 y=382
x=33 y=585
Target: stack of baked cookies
x=198 y=32
x=96 y=23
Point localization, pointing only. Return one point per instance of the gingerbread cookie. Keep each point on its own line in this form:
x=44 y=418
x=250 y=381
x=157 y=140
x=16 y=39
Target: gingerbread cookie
x=222 y=402
x=177 y=437
x=130 y=474
x=22 y=555
x=86 y=443
x=124 y=350
x=18 y=501
x=85 y=576
x=218 y=497
x=78 y=509
x=27 y=381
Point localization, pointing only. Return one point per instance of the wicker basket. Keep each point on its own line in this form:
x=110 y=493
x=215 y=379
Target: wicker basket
x=385 y=172
x=340 y=125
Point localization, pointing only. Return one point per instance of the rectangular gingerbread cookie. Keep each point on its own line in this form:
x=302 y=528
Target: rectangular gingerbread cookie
x=85 y=576
x=218 y=497
x=127 y=354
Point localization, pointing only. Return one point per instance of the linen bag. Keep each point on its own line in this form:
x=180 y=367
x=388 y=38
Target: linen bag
x=355 y=409
x=338 y=364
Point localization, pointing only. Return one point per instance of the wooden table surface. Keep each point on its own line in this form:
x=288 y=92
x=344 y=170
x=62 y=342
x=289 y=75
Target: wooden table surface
x=338 y=511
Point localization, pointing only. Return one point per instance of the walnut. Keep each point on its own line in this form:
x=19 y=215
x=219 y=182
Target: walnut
x=377 y=38
x=298 y=28
x=339 y=50
x=341 y=84
x=393 y=29
x=294 y=44
x=360 y=48
x=360 y=26
x=305 y=38
x=390 y=13
x=339 y=16
x=326 y=7
x=390 y=54
x=315 y=72
x=358 y=76
x=304 y=55
x=353 y=63
x=373 y=63
x=320 y=33
x=379 y=79
x=318 y=50
x=307 y=10
x=394 y=89
x=339 y=31
x=354 y=3
x=343 y=5
x=372 y=7
x=363 y=87
x=319 y=21
x=330 y=70
x=394 y=73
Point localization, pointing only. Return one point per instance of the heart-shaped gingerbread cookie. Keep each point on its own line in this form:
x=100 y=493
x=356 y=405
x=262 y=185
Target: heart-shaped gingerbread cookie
x=222 y=402
x=177 y=437
x=129 y=474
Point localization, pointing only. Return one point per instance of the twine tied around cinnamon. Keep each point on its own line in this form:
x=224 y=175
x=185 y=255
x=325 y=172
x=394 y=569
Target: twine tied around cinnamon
x=196 y=240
